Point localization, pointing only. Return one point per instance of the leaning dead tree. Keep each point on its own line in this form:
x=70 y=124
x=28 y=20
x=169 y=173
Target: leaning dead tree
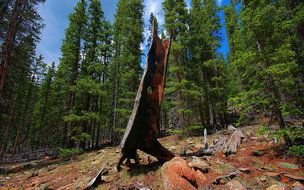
x=144 y=121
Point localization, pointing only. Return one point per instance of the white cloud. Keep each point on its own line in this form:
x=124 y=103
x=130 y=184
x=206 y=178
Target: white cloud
x=155 y=7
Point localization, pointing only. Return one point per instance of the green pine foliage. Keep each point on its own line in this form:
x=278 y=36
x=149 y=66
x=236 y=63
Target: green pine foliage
x=264 y=70
x=86 y=99
x=126 y=67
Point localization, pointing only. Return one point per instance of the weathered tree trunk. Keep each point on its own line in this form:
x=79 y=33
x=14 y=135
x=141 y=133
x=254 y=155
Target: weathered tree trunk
x=142 y=127
x=6 y=130
x=9 y=41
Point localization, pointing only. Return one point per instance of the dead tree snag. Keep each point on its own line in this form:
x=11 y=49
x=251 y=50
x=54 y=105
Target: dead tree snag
x=144 y=122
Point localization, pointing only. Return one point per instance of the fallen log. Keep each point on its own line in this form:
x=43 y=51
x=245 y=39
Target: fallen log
x=234 y=142
x=97 y=179
x=227 y=145
x=144 y=122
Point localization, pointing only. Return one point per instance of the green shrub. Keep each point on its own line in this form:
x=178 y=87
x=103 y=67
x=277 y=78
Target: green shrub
x=194 y=130
x=296 y=150
x=179 y=132
x=68 y=152
x=262 y=130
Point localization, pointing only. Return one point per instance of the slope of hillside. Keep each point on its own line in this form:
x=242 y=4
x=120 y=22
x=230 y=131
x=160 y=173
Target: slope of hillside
x=266 y=167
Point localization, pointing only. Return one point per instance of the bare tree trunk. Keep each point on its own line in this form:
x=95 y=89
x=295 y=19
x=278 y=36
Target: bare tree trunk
x=114 y=104
x=179 y=77
x=6 y=130
x=9 y=45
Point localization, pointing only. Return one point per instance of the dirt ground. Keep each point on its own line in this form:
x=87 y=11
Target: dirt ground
x=75 y=173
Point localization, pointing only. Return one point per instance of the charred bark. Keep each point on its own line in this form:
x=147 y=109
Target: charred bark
x=144 y=123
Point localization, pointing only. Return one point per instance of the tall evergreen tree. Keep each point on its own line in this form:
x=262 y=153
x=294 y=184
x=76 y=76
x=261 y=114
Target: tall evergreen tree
x=126 y=69
x=19 y=35
x=176 y=25
x=203 y=43
x=68 y=72
x=264 y=59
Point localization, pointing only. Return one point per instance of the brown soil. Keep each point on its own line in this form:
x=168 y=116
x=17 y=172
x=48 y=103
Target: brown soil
x=77 y=172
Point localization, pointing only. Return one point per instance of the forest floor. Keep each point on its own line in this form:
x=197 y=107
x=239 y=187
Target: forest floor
x=262 y=171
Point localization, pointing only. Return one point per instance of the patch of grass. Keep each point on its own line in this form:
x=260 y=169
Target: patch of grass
x=262 y=130
x=294 y=133
x=195 y=130
x=68 y=152
x=288 y=165
x=296 y=150
x=223 y=168
x=178 y=132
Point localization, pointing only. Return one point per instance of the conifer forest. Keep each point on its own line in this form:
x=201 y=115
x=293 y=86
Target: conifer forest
x=81 y=103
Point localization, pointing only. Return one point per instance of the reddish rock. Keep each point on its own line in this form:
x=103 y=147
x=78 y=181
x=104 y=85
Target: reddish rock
x=234 y=184
x=178 y=175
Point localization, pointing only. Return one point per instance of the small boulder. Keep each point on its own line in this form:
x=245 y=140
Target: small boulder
x=34 y=174
x=231 y=128
x=257 y=153
x=244 y=170
x=172 y=148
x=276 y=187
x=197 y=163
x=52 y=167
x=234 y=184
x=177 y=174
x=297 y=186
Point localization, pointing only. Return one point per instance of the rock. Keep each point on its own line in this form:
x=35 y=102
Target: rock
x=293 y=177
x=3 y=170
x=198 y=146
x=190 y=142
x=34 y=174
x=100 y=151
x=172 y=148
x=288 y=165
x=44 y=187
x=276 y=187
x=29 y=165
x=177 y=174
x=226 y=178
x=189 y=152
x=257 y=153
x=267 y=168
x=197 y=163
x=231 y=128
x=234 y=184
x=50 y=168
x=244 y=170
x=297 y=186
x=7 y=178
x=263 y=178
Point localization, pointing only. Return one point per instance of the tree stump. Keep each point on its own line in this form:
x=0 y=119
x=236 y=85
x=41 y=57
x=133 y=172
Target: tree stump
x=144 y=121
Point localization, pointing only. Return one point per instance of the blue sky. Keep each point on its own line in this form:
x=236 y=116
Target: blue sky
x=55 y=14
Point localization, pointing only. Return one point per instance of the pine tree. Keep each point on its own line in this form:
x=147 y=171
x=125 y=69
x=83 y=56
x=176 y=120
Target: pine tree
x=204 y=41
x=20 y=34
x=152 y=21
x=40 y=133
x=175 y=23
x=90 y=82
x=126 y=69
x=265 y=61
x=68 y=73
